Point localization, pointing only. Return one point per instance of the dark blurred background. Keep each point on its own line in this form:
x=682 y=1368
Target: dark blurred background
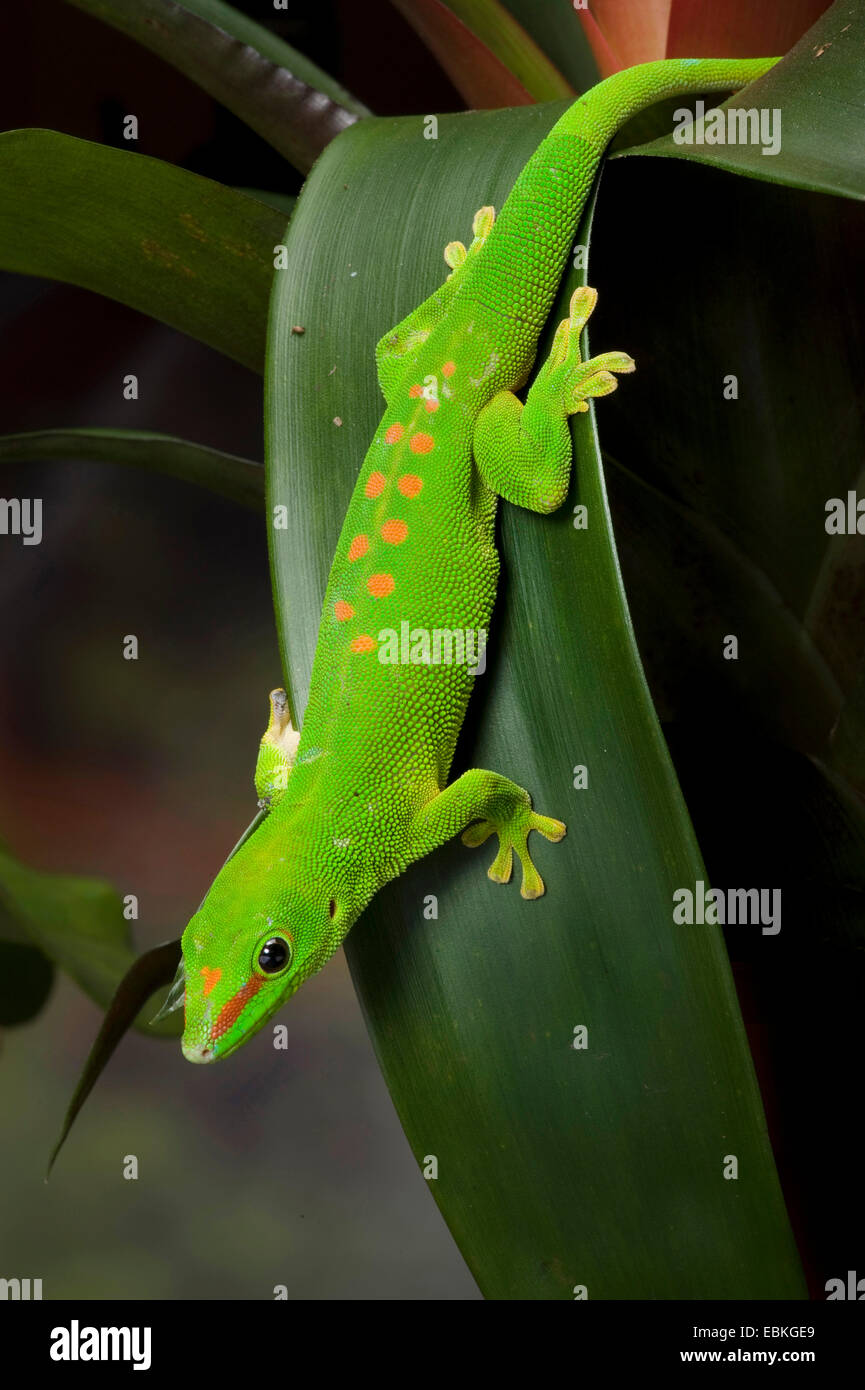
x=284 y=1167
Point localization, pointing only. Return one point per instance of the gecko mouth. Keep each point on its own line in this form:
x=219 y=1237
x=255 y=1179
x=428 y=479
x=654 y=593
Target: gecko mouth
x=198 y=1052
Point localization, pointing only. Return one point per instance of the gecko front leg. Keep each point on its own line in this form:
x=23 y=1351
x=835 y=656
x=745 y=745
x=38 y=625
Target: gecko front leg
x=501 y=808
x=395 y=349
x=523 y=452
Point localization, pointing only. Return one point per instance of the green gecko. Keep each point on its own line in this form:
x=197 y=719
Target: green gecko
x=363 y=791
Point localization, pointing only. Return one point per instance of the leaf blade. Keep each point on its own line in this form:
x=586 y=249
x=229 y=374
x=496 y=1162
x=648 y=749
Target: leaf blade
x=286 y=99
x=239 y=479
x=181 y=248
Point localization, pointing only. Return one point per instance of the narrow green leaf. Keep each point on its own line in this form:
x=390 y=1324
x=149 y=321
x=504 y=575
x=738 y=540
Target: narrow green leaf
x=239 y=479
x=479 y=75
x=178 y=247
x=147 y=973
x=278 y=92
x=497 y=28
x=131 y=1005
x=556 y=1167
x=557 y=31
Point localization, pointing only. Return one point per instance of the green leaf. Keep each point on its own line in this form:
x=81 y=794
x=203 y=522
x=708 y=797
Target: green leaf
x=181 y=248
x=278 y=92
x=818 y=87
x=239 y=479
x=556 y=1167
x=479 y=74
x=76 y=922
x=500 y=32
x=131 y=1005
x=557 y=31
x=283 y=202
x=147 y=973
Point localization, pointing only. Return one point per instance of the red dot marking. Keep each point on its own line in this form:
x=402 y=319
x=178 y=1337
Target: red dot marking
x=358 y=547
x=449 y=368
x=364 y=643
x=393 y=433
x=410 y=484
x=421 y=443
x=380 y=585
x=431 y=404
x=394 y=531
x=212 y=975
x=414 y=391
x=376 y=484
x=342 y=611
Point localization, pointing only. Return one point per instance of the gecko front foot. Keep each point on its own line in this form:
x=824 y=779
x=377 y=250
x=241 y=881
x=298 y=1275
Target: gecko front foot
x=456 y=254
x=513 y=836
x=565 y=378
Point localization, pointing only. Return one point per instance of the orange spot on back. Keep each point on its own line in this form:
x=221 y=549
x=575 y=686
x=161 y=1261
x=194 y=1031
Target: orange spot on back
x=376 y=484
x=449 y=368
x=394 y=433
x=414 y=391
x=358 y=547
x=431 y=404
x=343 y=611
x=421 y=443
x=212 y=975
x=230 y=1012
x=364 y=643
x=394 y=531
x=410 y=484
x=380 y=585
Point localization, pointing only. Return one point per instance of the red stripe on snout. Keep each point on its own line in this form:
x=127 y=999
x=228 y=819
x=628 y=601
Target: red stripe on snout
x=230 y=1012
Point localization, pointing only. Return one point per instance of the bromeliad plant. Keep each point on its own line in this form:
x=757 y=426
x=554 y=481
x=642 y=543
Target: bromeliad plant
x=740 y=626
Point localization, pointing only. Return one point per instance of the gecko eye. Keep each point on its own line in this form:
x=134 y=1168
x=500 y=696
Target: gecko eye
x=274 y=955
x=332 y=907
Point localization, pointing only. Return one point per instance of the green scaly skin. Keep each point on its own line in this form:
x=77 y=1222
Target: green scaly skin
x=365 y=792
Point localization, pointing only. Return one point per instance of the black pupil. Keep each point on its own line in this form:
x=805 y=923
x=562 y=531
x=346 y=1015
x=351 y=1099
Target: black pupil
x=273 y=956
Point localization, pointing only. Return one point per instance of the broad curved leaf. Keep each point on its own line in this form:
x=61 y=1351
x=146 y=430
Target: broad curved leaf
x=178 y=247
x=818 y=87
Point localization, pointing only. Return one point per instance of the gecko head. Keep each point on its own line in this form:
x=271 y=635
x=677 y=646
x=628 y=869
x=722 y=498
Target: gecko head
x=241 y=965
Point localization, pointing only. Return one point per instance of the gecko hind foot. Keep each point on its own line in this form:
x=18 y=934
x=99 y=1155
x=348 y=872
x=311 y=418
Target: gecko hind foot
x=513 y=836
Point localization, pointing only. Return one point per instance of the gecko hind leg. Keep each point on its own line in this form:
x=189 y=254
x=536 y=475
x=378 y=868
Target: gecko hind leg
x=523 y=452
x=395 y=349
x=500 y=808
x=276 y=753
